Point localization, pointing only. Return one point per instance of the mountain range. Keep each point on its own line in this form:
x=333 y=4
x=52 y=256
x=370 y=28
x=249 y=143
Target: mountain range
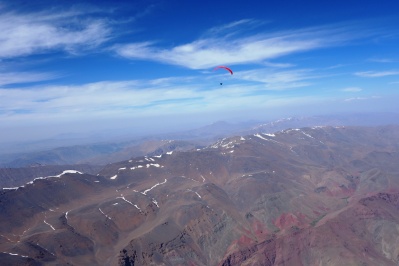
x=318 y=195
x=101 y=153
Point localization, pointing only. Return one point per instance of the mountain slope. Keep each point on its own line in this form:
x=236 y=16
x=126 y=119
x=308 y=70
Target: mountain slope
x=295 y=197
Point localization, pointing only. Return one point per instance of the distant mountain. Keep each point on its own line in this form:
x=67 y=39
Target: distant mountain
x=109 y=152
x=362 y=119
x=317 y=195
x=14 y=177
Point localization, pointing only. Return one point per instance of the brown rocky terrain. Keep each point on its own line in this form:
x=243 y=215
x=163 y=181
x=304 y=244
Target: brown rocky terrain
x=14 y=177
x=309 y=196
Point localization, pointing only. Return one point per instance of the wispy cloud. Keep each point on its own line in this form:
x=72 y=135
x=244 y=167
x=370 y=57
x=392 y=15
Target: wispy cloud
x=238 y=49
x=383 y=60
x=361 y=98
x=233 y=28
x=352 y=89
x=32 y=33
x=141 y=98
x=24 y=77
x=377 y=74
x=278 y=80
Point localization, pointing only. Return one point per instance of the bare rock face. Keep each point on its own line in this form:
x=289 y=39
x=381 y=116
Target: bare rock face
x=310 y=196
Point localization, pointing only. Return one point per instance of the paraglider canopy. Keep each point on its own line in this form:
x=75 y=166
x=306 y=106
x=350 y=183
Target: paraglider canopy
x=227 y=68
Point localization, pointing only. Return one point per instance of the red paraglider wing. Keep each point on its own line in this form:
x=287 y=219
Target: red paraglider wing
x=228 y=69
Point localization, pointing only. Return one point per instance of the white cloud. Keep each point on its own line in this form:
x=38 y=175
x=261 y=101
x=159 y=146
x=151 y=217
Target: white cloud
x=361 y=98
x=383 y=60
x=231 y=49
x=125 y=98
x=278 y=80
x=377 y=74
x=24 y=77
x=352 y=89
x=26 y=34
x=233 y=28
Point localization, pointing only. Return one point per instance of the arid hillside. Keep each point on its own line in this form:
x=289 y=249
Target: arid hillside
x=308 y=196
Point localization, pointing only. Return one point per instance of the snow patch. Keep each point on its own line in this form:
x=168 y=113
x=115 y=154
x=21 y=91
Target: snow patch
x=63 y=173
x=11 y=188
x=49 y=225
x=136 y=167
x=260 y=136
x=153 y=164
x=307 y=135
x=104 y=214
x=68 y=172
x=15 y=254
x=155 y=202
x=114 y=177
x=154 y=186
x=122 y=197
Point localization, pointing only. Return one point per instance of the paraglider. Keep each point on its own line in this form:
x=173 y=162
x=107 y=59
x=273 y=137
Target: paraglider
x=227 y=68
x=224 y=67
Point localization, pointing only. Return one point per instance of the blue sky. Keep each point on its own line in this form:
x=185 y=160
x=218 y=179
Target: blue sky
x=90 y=66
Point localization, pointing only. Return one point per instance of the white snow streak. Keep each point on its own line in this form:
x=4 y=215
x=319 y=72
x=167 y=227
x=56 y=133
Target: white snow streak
x=114 y=177
x=155 y=202
x=68 y=172
x=122 y=197
x=259 y=136
x=15 y=254
x=153 y=164
x=49 y=225
x=307 y=135
x=104 y=214
x=11 y=188
x=154 y=186
x=63 y=173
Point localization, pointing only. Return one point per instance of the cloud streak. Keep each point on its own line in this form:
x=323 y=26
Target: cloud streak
x=279 y=80
x=377 y=74
x=34 y=33
x=352 y=89
x=232 y=49
x=126 y=98
x=24 y=77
